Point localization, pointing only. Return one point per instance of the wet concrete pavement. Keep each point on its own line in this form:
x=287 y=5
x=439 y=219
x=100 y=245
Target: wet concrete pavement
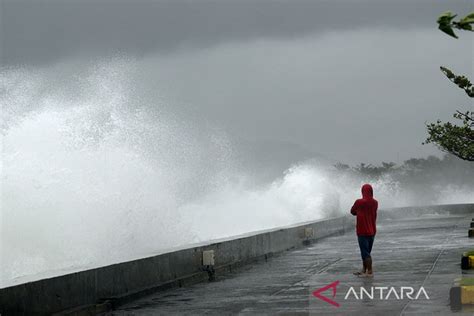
x=408 y=252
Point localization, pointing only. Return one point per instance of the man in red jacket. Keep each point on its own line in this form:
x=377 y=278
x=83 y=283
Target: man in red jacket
x=366 y=211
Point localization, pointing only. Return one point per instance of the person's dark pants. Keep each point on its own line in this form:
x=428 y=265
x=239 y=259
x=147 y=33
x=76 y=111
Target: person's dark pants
x=365 y=245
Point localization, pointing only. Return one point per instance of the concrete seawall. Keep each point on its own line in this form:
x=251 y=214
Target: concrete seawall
x=99 y=289
x=453 y=209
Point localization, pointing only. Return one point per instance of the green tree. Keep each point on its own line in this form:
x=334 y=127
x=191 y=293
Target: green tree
x=455 y=139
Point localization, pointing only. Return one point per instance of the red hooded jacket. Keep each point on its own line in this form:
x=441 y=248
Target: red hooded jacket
x=366 y=211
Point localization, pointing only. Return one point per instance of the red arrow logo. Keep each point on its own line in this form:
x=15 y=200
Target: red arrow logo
x=333 y=285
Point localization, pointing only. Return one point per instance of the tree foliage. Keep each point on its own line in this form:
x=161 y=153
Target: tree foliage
x=446 y=23
x=415 y=170
x=426 y=180
x=367 y=169
x=455 y=139
x=461 y=81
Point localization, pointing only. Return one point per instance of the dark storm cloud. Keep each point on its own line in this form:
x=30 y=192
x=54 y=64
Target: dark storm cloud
x=40 y=31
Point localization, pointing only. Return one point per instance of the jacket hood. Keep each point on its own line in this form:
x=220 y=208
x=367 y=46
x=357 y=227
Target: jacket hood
x=367 y=191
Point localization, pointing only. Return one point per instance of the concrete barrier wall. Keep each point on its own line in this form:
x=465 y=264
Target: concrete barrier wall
x=119 y=282
x=451 y=209
x=101 y=288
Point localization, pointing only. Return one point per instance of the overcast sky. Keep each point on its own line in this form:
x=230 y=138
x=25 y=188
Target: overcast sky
x=355 y=80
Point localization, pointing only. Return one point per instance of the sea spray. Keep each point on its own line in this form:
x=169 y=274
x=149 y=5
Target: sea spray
x=94 y=171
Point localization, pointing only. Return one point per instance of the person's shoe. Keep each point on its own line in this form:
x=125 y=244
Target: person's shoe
x=363 y=274
x=358 y=273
